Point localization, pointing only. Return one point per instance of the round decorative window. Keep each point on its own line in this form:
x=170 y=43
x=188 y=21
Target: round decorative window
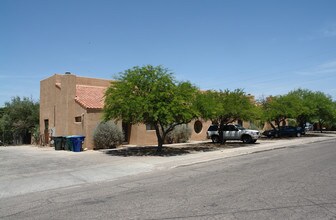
x=198 y=126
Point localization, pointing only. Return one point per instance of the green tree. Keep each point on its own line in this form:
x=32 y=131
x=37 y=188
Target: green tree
x=223 y=107
x=333 y=122
x=19 y=118
x=151 y=95
x=5 y=128
x=278 y=109
x=300 y=104
x=304 y=106
x=324 y=109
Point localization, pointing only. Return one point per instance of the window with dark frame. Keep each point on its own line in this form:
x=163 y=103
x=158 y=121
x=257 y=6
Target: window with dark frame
x=78 y=119
x=198 y=126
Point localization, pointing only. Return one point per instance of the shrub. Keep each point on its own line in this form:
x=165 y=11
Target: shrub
x=107 y=135
x=36 y=135
x=180 y=134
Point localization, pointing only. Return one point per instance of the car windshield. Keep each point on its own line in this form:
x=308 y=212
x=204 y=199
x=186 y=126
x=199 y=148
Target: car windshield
x=240 y=127
x=213 y=128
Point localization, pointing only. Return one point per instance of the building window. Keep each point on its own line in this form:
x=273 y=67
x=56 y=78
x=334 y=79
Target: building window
x=78 y=119
x=150 y=127
x=198 y=126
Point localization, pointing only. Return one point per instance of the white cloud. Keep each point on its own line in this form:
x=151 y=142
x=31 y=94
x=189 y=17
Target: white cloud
x=329 y=31
x=321 y=69
x=331 y=64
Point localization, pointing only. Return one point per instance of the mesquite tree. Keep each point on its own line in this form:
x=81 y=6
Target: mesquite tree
x=151 y=95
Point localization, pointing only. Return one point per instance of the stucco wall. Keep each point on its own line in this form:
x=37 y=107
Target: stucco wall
x=201 y=136
x=141 y=136
x=58 y=106
x=91 y=121
x=48 y=100
x=93 y=81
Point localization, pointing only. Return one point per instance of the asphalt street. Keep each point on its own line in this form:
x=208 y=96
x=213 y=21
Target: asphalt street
x=293 y=182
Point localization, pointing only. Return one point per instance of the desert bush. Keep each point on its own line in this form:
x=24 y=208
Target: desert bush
x=180 y=134
x=107 y=135
x=36 y=135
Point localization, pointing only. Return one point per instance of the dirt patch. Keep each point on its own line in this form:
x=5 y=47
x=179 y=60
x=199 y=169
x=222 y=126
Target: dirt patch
x=176 y=150
x=168 y=151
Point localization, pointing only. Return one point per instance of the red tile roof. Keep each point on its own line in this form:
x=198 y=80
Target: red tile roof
x=90 y=97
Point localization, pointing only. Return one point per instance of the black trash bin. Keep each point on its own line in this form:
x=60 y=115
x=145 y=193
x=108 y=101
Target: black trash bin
x=68 y=143
x=58 y=142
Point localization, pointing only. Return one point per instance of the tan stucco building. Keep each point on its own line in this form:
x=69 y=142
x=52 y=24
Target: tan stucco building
x=72 y=105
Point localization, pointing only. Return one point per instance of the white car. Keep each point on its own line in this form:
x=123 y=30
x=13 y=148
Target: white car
x=233 y=132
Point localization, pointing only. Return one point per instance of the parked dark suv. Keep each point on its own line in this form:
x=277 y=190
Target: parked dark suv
x=285 y=131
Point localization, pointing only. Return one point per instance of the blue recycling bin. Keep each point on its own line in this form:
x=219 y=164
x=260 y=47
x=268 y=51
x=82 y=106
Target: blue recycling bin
x=77 y=142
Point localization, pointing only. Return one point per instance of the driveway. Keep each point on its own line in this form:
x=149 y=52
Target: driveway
x=26 y=169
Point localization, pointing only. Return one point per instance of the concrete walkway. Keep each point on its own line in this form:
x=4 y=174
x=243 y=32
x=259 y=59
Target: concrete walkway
x=26 y=169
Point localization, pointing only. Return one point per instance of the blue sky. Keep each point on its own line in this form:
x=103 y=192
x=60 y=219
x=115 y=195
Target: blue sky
x=265 y=47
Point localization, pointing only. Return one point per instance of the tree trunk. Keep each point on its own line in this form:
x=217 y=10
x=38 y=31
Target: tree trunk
x=160 y=145
x=301 y=120
x=221 y=139
x=160 y=138
x=220 y=131
x=272 y=125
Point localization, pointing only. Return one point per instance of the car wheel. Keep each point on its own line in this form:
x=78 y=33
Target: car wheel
x=298 y=134
x=247 y=139
x=215 y=139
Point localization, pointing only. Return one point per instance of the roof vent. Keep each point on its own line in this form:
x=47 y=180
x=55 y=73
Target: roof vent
x=67 y=72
